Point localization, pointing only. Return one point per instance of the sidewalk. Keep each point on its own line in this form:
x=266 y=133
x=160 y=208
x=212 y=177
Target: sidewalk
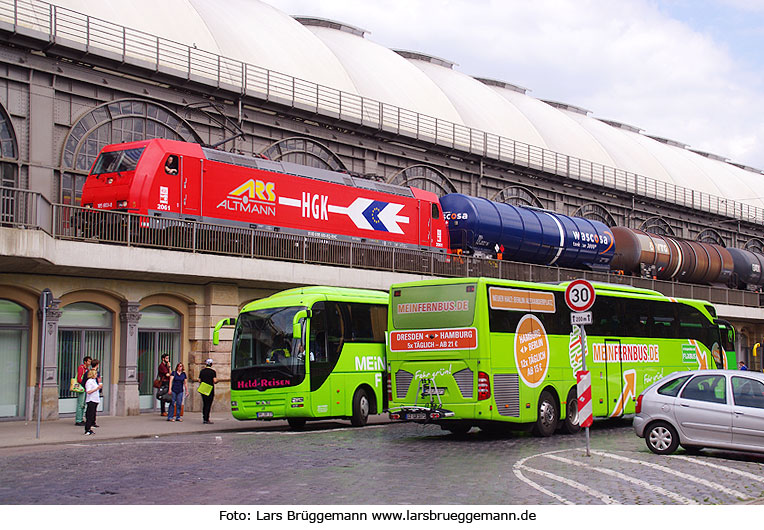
x=24 y=434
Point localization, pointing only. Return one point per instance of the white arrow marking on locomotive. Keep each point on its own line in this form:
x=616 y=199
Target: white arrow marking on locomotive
x=390 y=218
x=355 y=212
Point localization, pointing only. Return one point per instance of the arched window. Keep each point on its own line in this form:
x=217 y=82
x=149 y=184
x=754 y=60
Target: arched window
x=596 y=212
x=306 y=152
x=517 y=196
x=710 y=235
x=657 y=225
x=83 y=329
x=126 y=120
x=425 y=178
x=14 y=350
x=158 y=333
x=9 y=175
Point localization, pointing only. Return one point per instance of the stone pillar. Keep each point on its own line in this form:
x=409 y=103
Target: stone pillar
x=49 y=358
x=220 y=301
x=128 y=403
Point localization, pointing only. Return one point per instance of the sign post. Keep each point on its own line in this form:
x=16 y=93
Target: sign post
x=579 y=296
x=46 y=297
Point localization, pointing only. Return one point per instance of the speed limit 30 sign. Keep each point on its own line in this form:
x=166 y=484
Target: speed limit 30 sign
x=579 y=295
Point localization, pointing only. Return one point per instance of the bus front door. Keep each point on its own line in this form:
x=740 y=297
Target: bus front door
x=614 y=378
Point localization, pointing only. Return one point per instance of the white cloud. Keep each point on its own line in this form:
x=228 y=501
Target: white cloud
x=627 y=60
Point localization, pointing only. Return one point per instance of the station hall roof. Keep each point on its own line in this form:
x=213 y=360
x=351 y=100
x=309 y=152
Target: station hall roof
x=340 y=56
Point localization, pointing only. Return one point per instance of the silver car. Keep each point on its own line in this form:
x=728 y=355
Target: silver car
x=705 y=408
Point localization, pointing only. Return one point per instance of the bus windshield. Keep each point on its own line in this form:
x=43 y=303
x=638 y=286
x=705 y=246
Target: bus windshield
x=117 y=161
x=263 y=341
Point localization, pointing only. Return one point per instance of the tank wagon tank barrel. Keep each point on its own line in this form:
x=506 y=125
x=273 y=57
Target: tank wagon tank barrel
x=479 y=226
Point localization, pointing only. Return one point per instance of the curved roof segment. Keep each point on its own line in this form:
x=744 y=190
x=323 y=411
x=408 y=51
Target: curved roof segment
x=338 y=56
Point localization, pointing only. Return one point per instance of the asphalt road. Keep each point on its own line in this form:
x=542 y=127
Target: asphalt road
x=332 y=463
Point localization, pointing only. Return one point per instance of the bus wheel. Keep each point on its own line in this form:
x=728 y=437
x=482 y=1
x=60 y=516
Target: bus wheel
x=296 y=424
x=571 y=424
x=547 y=415
x=361 y=407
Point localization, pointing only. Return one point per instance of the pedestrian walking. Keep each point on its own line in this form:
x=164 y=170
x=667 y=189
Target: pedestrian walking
x=163 y=374
x=741 y=366
x=79 y=411
x=207 y=377
x=178 y=387
x=92 y=399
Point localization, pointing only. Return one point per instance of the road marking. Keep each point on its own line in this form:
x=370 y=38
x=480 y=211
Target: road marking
x=680 y=474
x=607 y=499
x=717 y=466
x=638 y=482
x=516 y=470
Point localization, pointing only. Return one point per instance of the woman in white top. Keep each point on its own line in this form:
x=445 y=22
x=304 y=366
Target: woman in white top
x=92 y=398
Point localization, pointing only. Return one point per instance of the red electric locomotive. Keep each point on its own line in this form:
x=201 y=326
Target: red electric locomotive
x=185 y=181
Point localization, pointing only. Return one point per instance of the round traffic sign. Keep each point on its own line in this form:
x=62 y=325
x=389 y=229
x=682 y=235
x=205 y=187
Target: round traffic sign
x=579 y=295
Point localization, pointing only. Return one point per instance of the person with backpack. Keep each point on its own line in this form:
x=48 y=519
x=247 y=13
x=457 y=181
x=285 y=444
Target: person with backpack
x=92 y=399
x=79 y=411
x=178 y=387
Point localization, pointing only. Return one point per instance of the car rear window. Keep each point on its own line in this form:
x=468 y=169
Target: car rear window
x=748 y=392
x=672 y=387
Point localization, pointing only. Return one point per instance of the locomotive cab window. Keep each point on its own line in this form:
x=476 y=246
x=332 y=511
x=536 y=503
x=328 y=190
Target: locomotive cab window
x=117 y=161
x=171 y=165
x=435 y=211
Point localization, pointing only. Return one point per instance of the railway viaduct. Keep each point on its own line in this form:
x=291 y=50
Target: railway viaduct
x=71 y=82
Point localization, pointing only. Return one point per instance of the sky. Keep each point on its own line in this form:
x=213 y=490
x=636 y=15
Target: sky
x=688 y=70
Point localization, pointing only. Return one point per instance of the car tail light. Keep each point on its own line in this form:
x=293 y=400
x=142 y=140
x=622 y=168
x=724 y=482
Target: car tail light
x=389 y=386
x=638 y=406
x=484 y=386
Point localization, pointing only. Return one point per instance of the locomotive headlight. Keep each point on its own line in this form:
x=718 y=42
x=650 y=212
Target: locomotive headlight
x=121 y=204
x=109 y=180
x=89 y=205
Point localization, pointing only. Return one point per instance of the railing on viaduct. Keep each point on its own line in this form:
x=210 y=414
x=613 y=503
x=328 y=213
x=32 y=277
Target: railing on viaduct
x=25 y=209
x=81 y=34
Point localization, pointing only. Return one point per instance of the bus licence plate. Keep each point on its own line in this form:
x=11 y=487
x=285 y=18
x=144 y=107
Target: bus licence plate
x=265 y=414
x=416 y=416
x=433 y=391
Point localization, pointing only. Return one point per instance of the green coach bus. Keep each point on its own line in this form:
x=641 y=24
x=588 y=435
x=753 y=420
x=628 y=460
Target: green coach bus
x=306 y=353
x=498 y=354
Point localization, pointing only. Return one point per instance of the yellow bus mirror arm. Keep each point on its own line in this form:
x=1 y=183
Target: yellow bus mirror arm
x=216 y=332
x=755 y=348
x=297 y=323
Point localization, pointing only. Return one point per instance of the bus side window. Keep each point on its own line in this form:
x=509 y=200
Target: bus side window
x=364 y=322
x=317 y=339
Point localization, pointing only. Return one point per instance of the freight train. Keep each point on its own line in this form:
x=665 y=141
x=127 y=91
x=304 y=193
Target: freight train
x=179 y=180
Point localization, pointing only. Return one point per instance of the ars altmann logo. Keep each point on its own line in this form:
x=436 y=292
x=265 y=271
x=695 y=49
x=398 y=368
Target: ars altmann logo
x=254 y=196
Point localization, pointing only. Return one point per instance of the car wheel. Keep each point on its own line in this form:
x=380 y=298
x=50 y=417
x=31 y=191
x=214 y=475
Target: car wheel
x=661 y=438
x=361 y=408
x=296 y=424
x=546 y=423
x=572 y=423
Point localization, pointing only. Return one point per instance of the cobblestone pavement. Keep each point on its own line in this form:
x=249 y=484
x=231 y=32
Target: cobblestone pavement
x=330 y=463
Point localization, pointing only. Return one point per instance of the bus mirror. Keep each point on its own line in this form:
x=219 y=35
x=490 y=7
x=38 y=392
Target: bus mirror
x=297 y=323
x=216 y=332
